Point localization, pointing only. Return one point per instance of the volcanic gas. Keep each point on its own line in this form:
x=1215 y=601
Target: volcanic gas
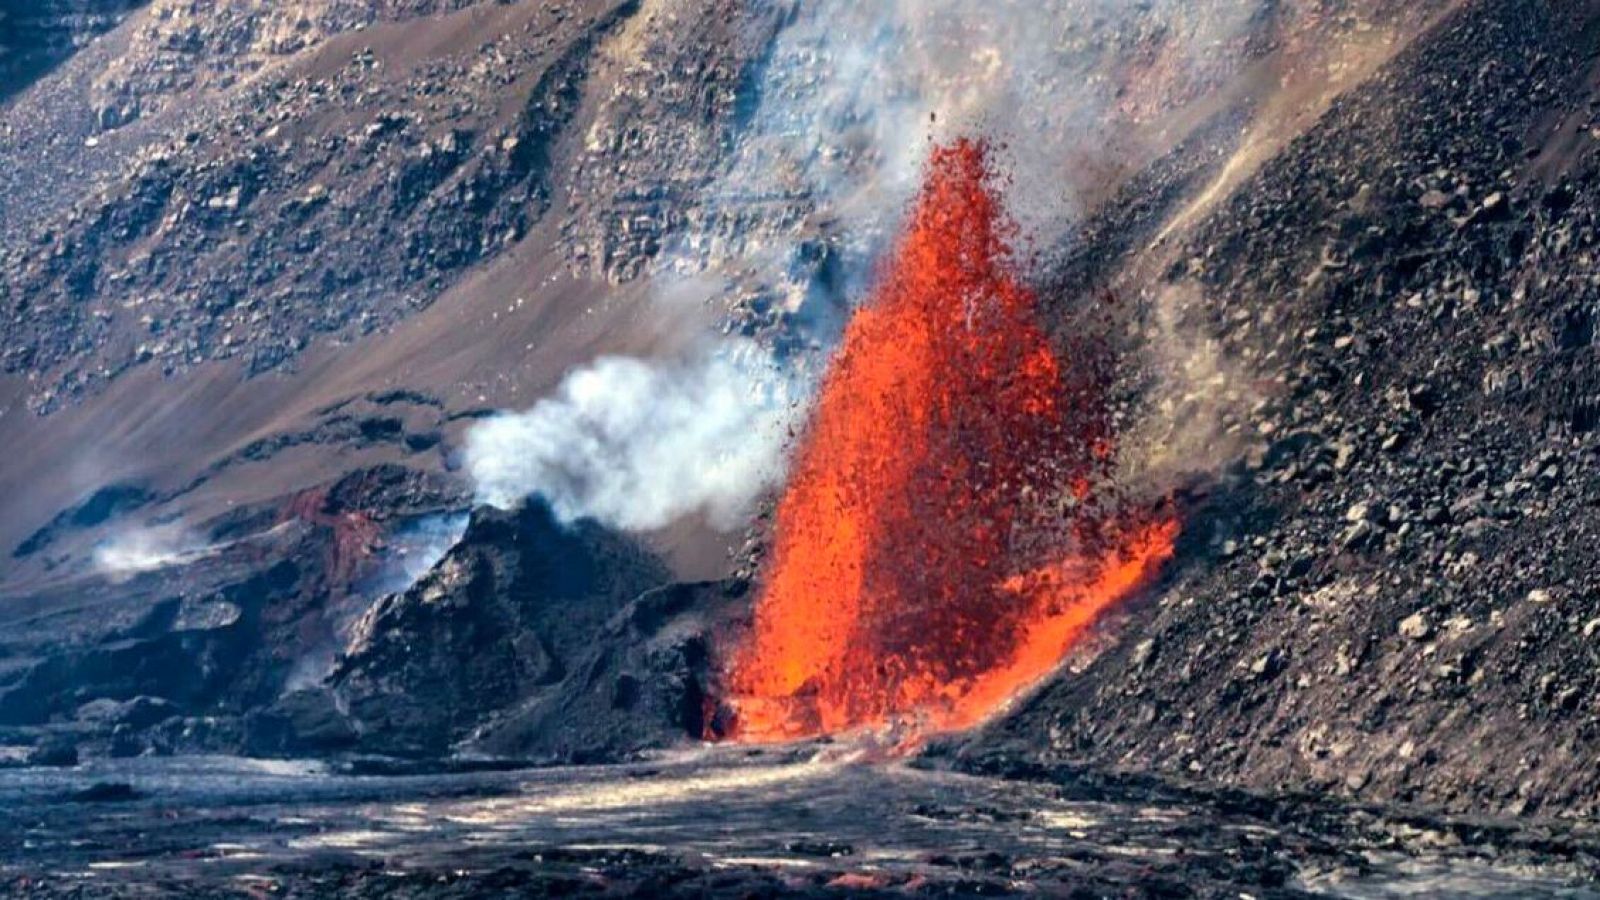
x=946 y=535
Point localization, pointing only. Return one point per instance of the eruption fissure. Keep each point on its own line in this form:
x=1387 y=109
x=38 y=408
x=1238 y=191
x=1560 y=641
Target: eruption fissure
x=942 y=541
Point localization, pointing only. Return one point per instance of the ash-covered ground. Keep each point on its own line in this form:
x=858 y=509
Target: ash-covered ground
x=290 y=293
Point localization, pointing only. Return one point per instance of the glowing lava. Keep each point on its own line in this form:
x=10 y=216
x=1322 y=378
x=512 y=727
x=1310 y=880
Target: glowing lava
x=935 y=551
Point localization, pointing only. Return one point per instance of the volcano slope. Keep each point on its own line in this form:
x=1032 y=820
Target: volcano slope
x=1392 y=593
x=384 y=174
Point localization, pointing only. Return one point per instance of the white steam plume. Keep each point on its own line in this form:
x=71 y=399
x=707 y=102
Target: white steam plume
x=834 y=151
x=139 y=550
x=853 y=92
x=639 y=445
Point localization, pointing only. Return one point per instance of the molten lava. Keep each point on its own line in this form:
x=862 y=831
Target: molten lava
x=937 y=549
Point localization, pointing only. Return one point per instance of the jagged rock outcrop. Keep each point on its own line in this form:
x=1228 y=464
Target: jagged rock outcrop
x=646 y=681
x=511 y=612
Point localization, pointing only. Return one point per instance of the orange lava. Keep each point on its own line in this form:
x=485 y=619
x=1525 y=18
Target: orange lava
x=939 y=547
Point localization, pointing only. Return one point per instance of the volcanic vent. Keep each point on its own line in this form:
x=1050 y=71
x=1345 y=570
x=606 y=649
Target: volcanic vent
x=947 y=533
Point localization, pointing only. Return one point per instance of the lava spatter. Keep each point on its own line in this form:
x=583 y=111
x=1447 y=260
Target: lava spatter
x=926 y=562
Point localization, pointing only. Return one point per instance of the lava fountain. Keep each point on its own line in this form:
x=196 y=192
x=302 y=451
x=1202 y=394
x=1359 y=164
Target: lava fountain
x=941 y=544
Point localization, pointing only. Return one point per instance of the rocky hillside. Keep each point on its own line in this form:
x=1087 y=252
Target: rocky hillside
x=331 y=204
x=211 y=491
x=1393 y=593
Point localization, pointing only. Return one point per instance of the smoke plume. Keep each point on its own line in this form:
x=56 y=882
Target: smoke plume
x=638 y=444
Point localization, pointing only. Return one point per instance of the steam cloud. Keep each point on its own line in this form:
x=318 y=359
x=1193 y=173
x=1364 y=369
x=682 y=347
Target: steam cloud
x=139 y=550
x=854 y=92
x=839 y=137
x=638 y=445
x=416 y=549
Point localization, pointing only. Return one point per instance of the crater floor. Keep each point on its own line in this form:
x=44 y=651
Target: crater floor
x=725 y=821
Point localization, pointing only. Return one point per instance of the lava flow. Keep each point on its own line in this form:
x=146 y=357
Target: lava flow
x=938 y=548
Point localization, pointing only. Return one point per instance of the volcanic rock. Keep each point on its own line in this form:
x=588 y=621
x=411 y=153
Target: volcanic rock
x=646 y=682
x=505 y=617
x=262 y=265
x=303 y=722
x=38 y=35
x=1469 y=425
x=175 y=657
x=1416 y=627
x=137 y=713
